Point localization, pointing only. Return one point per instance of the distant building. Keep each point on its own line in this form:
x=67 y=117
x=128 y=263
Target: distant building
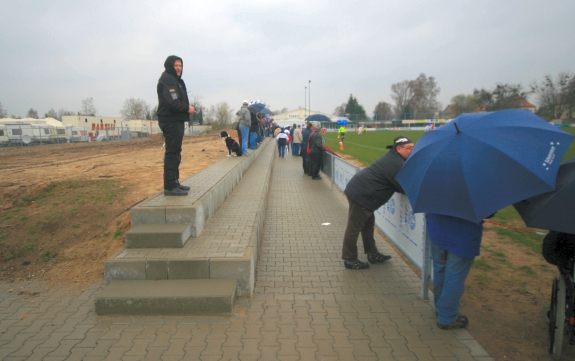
x=92 y=123
x=521 y=103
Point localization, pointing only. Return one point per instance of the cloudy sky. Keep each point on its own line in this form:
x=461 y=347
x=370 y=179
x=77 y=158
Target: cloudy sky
x=56 y=53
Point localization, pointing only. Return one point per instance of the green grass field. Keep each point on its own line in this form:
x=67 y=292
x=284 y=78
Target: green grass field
x=370 y=146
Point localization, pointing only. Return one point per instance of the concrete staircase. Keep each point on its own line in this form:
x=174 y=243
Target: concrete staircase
x=193 y=255
x=174 y=297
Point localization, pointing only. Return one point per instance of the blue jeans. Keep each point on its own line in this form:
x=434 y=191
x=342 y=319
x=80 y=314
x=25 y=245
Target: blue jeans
x=449 y=274
x=245 y=132
x=281 y=149
x=253 y=140
x=295 y=149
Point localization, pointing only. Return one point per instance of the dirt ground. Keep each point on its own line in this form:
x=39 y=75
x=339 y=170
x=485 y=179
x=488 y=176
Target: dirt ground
x=64 y=209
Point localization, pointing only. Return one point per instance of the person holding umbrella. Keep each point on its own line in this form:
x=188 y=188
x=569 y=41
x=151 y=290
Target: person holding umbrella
x=368 y=190
x=455 y=243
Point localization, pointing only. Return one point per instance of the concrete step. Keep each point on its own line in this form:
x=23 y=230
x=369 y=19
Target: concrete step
x=163 y=235
x=208 y=297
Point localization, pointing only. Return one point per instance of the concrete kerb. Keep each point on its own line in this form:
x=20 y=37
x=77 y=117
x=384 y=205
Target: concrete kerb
x=206 y=196
x=243 y=269
x=159 y=264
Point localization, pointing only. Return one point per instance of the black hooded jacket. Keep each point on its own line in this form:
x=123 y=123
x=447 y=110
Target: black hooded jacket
x=173 y=102
x=373 y=186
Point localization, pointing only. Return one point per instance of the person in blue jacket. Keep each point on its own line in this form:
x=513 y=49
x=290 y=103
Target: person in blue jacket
x=455 y=243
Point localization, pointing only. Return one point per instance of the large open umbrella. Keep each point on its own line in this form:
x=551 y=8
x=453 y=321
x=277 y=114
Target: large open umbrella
x=256 y=107
x=479 y=163
x=318 y=118
x=265 y=111
x=553 y=210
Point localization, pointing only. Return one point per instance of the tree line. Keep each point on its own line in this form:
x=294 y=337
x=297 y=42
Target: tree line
x=417 y=99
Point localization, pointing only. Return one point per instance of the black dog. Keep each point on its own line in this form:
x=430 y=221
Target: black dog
x=231 y=144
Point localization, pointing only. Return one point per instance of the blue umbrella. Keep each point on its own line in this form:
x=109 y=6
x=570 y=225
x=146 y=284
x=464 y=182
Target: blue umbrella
x=265 y=111
x=553 y=210
x=482 y=162
x=318 y=118
x=255 y=108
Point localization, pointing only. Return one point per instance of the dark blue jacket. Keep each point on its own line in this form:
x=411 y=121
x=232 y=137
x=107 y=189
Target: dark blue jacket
x=456 y=235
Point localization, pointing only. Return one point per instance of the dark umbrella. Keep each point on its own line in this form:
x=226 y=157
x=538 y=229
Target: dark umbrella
x=553 y=210
x=265 y=111
x=318 y=118
x=255 y=108
x=482 y=162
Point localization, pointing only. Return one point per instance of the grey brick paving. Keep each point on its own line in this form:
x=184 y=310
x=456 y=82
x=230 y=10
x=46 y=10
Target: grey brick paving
x=306 y=305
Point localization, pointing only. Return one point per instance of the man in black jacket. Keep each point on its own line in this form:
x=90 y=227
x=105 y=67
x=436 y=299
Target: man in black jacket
x=173 y=110
x=315 y=142
x=368 y=190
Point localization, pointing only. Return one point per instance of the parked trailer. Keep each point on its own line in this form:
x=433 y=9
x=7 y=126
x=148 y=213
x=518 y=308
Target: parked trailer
x=3 y=135
x=59 y=134
x=76 y=134
x=23 y=133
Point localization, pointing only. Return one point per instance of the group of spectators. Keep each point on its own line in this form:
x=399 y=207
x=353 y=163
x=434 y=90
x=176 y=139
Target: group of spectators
x=252 y=128
x=307 y=143
x=455 y=242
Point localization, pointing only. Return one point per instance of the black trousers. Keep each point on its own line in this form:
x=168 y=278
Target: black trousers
x=304 y=159
x=359 y=220
x=173 y=136
x=315 y=163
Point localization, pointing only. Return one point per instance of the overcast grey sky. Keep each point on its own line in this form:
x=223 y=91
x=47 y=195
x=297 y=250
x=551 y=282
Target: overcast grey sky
x=55 y=53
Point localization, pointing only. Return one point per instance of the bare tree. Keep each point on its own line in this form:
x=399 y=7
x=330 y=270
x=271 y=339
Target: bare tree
x=555 y=97
x=62 y=112
x=52 y=114
x=88 y=107
x=32 y=113
x=340 y=111
x=135 y=109
x=425 y=91
x=416 y=96
x=463 y=103
x=222 y=113
x=3 y=112
x=402 y=94
x=383 y=111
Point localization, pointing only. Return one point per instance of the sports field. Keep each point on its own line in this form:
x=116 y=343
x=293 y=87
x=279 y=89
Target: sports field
x=371 y=145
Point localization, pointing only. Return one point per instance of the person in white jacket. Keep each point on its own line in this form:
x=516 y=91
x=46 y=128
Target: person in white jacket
x=282 y=139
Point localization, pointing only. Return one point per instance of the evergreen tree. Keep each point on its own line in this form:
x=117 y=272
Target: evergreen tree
x=354 y=109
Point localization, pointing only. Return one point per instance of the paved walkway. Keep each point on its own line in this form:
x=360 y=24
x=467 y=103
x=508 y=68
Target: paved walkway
x=306 y=305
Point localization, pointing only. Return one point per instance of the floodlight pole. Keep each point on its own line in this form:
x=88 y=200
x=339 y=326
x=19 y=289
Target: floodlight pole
x=309 y=95
x=305 y=104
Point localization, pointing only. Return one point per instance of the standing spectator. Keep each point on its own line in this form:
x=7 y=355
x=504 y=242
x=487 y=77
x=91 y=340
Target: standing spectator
x=287 y=131
x=454 y=245
x=366 y=191
x=282 y=139
x=304 y=142
x=254 y=129
x=244 y=125
x=296 y=140
x=173 y=110
x=316 y=147
x=277 y=130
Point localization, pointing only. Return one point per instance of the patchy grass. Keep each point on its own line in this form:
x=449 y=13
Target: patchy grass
x=46 y=220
